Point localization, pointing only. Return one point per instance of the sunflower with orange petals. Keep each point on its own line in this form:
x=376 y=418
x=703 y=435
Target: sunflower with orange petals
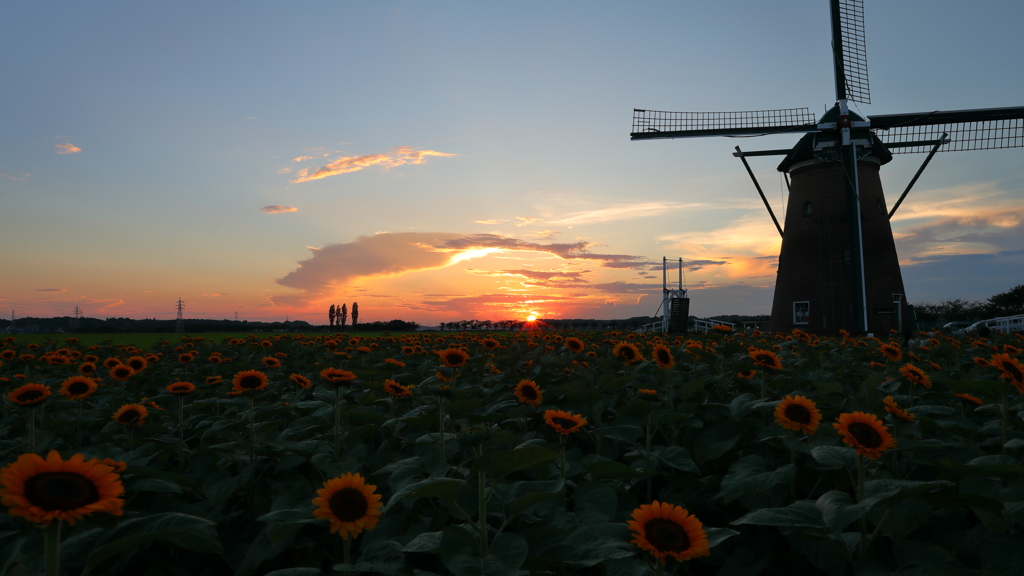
x=798 y=413
x=301 y=381
x=765 y=359
x=453 y=357
x=337 y=376
x=29 y=394
x=665 y=530
x=78 y=387
x=662 y=356
x=967 y=398
x=181 y=388
x=247 y=380
x=271 y=362
x=1011 y=370
x=564 y=422
x=137 y=363
x=121 y=372
x=395 y=389
x=628 y=352
x=915 y=375
x=891 y=352
x=896 y=410
x=746 y=374
x=131 y=415
x=117 y=466
x=866 y=433
x=349 y=503
x=42 y=491
x=529 y=393
x=574 y=344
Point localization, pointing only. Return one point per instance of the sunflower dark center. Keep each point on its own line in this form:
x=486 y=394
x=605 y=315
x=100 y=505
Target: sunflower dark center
x=453 y=358
x=529 y=392
x=666 y=536
x=663 y=356
x=128 y=416
x=135 y=365
x=799 y=414
x=348 y=504
x=250 y=382
x=564 y=423
x=627 y=353
x=865 y=435
x=29 y=396
x=78 y=387
x=1011 y=369
x=60 y=491
x=764 y=359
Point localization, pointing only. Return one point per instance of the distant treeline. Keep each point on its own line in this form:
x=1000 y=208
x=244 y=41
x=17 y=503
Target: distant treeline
x=152 y=325
x=580 y=323
x=1009 y=303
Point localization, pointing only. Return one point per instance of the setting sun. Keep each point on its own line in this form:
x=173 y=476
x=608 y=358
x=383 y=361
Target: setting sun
x=531 y=318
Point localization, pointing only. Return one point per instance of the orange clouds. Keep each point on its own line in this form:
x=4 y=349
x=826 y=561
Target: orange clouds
x=67 y=148
x=397 y=157
x=277 y=209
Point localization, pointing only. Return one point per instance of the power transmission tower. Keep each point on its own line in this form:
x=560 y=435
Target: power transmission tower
x=179 y=326
x=76 y=318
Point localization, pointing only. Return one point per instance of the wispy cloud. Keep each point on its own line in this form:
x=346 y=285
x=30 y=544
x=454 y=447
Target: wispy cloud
x=51 y=290
x=284 y=170
x=546 y=234
x=977 y=232
x=397 y=157
x=303 y=158
x=67 y=148
x=490 y=221
x=624 y=212
x=215 y=294
x=277 y=209
x=17 y=178
x=525 y=220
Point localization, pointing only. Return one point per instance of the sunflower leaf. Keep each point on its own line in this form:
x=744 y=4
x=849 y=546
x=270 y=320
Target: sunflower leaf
x=800 y=513
x=751 y=475
x=460 y=553
x=168 y=526
x=500 y=464
x=443 y=488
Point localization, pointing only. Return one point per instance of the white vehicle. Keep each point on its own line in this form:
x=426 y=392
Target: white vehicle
x=1007 y=324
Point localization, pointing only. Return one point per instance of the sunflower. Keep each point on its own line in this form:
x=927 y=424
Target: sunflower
x=301 y=381
x=29 y=394
x=337 y=376
x=248 y=380
x=574 y=344
x=647 y=391
x=266 y=344
x=891 y=352
x=453 y=357
x=972 y=399
x=915 y=375
x=185 y=358
x=722 y=328
x=765 y=359
x=131 y=415
x=26 y=357
x=529 y=393
x=866 y=433
x=666 y=530
x=1011 y=369
x=87 y=369
x=8 y=354
x=121 y=372
x=137 y=363
x=746 y=374
x=214 y=379
x=271 y=362
x=628 y=352
x=54 y=489
x=564 y=422
x=798 y=413
x=181 y=388
x=78 y=387
x=663 y=356
x=214 y=359
x=397 y=363
x=349 y=503
x=1010 y=349
x=395 y=389
x=895 y=409
x=118 y=466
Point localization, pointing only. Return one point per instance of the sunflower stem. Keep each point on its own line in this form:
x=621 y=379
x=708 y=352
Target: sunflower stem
x=860 y=496
x=482 y=495
x=337 y=425
x=1002 y=414
x=648 y=467
x=348 y=554
x=659 y=568
x=440 y=427
x=32 y=430
x=78 y=427
x=252 y=433
x=52 y=548
x=181 y=432
x=561 y=444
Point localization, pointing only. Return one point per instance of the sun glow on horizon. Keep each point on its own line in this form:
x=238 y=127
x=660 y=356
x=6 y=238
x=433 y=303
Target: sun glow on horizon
x=475 y=253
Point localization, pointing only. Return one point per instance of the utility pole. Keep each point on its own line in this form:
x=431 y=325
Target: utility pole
x=179 y=326
x=76 y=318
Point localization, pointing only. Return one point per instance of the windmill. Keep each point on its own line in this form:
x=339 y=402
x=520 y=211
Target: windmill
x=838 y=267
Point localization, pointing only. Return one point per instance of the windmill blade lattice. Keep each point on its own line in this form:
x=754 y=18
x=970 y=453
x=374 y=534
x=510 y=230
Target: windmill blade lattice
x=855 y=53
x=649 y=124
x=985 y=129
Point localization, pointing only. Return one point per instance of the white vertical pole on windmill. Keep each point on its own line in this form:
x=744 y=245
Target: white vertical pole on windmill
x=666 y=302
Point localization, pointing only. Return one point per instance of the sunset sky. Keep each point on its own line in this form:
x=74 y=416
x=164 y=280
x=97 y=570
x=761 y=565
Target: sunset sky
x=437 y=161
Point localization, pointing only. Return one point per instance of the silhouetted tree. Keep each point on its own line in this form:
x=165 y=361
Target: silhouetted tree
x=1009 y=303
x=330 y=315
x=355 y=313
x=343 y=317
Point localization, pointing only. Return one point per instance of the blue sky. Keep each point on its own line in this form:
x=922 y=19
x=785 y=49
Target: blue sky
x=475 y=157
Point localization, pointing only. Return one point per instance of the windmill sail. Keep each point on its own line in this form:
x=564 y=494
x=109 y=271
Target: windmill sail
x=852 y=52
x=983 y=129
x=651 y=124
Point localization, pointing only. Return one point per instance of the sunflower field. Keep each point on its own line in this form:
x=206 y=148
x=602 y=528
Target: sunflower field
x=521 y=453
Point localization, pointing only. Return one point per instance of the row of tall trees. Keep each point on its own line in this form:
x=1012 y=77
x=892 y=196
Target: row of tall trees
x=480 y=325
x=338 y=315
x=1009 y=303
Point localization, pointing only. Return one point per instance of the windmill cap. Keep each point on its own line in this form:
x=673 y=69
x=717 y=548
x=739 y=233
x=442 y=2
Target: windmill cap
x=805 y=148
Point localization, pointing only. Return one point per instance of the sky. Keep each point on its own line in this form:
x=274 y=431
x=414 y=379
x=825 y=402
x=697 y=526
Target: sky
x=437 y=161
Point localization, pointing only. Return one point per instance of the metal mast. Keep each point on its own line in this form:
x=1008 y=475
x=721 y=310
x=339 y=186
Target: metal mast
x=75 y=319
x=179 y=326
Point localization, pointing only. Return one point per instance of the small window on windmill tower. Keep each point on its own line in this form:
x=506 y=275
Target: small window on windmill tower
x=801 y=312
x=807 y=209
x=878 y=203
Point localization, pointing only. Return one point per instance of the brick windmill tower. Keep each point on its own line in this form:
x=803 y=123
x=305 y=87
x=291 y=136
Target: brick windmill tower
x=838 y=267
